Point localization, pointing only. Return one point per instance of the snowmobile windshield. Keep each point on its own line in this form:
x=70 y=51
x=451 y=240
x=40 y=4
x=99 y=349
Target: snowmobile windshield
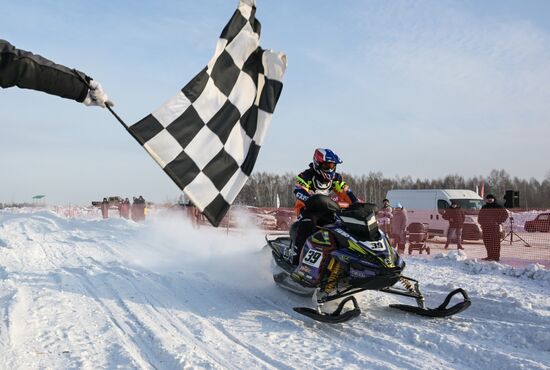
x=320 y=204
x=469 y=206
x=359 y=220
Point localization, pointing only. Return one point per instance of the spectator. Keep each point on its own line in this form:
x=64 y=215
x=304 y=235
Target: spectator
x=491 y=216
x=398 y=227
x=191 y=211
x=456 y=216
x=30 y=71
x=384 y=216
x=125 y=209
x=138 y=209
x=134 y=209
x=105 y=208
x=142 y=208
x=195 y=215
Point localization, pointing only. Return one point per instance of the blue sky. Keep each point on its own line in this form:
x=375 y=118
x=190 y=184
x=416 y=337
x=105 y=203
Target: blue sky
x=419 y=88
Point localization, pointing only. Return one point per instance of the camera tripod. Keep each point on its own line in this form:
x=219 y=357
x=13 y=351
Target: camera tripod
x=512 y=233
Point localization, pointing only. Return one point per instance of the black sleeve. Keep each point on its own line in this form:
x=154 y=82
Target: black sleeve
x=29 y=71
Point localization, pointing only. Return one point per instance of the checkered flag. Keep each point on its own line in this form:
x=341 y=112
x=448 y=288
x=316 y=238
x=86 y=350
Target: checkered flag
x=208 y=136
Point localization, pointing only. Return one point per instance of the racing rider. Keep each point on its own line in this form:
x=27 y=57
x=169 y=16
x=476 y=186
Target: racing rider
x=320 y=178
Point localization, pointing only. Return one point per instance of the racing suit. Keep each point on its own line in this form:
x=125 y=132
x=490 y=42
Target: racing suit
x=308 y=184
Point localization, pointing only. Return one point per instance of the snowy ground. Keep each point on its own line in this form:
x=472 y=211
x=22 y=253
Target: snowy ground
x=102 y=294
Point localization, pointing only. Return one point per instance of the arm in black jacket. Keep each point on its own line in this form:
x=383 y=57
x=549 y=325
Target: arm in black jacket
x=503 y=215
x=29 y=71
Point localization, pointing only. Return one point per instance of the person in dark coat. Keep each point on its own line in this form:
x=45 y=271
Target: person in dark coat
x=491 y=215
x=105 y=208
x=134 y=209
x=456 y=216
x=398 y=227
x=138 y=209
x=142 y=208
x=125 y=208
x=30 y=71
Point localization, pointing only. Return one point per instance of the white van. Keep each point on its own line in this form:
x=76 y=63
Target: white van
x=427 y=205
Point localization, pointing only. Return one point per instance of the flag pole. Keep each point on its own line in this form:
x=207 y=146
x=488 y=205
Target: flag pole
x=122 y=123
x=117 y=117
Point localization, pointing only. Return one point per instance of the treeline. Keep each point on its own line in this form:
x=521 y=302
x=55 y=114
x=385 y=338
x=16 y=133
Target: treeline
x=262 y=188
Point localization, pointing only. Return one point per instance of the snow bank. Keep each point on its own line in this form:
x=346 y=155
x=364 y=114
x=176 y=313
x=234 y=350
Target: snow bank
x=92 y=293
x=460 y=259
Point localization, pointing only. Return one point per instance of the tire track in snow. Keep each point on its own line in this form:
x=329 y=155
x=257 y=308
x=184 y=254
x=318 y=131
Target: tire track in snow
x=342 y=336
x=133 y=335
x=54 y=251
x=297 y=340
x=195 y=325
x=5 y=328
x=157 y=315
x=151 y=315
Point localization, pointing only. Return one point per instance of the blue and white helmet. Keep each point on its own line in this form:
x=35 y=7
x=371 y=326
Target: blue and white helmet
x=324 y=163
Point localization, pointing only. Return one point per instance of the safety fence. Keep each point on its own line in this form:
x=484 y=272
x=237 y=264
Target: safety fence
x=525 y=235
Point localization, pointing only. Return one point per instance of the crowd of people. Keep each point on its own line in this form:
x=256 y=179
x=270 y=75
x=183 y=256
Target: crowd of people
x=393 y=221
x=137 y=210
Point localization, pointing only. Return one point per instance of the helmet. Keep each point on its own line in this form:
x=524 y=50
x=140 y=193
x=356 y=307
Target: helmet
x=324 y=163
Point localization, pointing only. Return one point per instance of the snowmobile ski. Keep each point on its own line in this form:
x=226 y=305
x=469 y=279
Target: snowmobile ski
x=442 y=310
x=335 y=317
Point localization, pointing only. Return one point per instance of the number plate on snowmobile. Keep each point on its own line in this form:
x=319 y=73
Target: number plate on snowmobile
x=375 y=246
x=313 y=258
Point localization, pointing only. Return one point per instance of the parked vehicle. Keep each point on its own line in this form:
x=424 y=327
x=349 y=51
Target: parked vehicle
x=427 y=206
x=540 y=223
x=114 y=202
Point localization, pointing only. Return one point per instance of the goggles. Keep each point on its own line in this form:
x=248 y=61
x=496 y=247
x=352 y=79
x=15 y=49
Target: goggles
x=328 y=166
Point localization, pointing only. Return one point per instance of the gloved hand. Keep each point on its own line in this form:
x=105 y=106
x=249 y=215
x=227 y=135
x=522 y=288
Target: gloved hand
x=96 y=96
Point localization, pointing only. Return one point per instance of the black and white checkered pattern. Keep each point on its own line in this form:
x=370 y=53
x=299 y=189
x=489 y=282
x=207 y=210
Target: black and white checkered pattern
x=208 y=136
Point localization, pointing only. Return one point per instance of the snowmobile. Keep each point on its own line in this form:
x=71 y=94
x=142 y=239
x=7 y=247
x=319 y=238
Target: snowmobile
x=344 y=256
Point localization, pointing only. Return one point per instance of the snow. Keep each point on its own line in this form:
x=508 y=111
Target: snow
x=86 y=293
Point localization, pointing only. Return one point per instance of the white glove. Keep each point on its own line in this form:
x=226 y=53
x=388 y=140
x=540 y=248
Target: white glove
x=96 y=96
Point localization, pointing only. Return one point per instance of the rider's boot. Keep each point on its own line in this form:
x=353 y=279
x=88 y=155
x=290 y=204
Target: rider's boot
x=289 y=254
